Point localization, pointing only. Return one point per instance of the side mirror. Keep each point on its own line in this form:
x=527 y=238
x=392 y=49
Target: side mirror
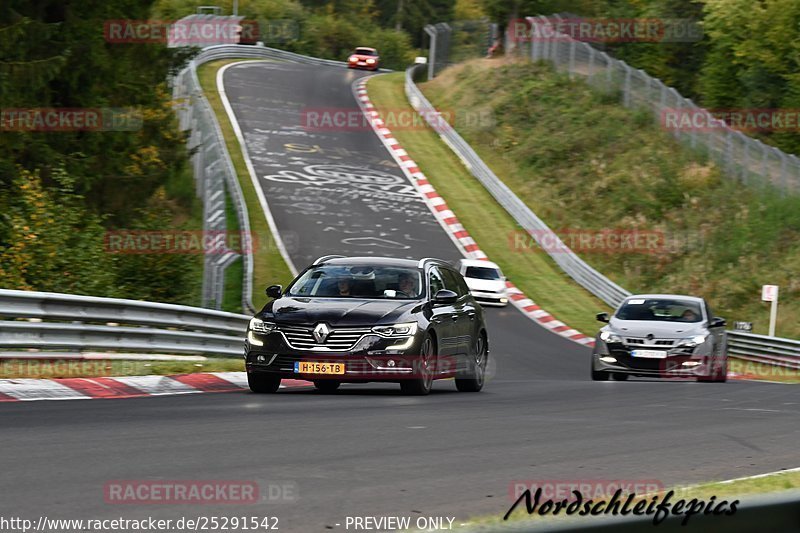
x=274 y=291
x=718 y=322
x=445 y=297
x=602 y=317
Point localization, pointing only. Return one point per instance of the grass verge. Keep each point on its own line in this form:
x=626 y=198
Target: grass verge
x=268 y=264
x=533 y=271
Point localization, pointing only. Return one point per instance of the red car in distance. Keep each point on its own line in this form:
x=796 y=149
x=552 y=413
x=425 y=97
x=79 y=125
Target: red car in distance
x=364 y=58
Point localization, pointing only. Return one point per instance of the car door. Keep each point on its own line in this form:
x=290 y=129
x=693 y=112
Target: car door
x=461 y=309
x=442 y=315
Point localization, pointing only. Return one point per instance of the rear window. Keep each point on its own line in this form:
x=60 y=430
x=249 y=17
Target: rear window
x=482 y=273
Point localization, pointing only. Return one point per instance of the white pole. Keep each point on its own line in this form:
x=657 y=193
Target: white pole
x=773 y=315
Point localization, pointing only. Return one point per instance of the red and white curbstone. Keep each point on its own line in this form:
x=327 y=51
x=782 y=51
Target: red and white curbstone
x=449 y=221
x=28 y=389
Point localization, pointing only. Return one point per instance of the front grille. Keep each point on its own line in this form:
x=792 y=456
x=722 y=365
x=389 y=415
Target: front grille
x=654 y=342
x=339 y=340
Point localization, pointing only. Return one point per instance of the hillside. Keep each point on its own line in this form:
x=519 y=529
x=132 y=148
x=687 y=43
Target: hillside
x=586 y=165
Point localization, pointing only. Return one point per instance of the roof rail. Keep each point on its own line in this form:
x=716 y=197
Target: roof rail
x=432 y=259
x=326 y=257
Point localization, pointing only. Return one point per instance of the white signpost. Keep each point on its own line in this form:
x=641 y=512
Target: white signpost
x=769 y=293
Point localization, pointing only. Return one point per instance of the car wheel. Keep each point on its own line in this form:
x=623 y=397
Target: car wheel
x=620 y=377
x=421 y=385
x=327 y=385
x=474 y=383
x=599 y=375
x=718 y=375
x=262 y=382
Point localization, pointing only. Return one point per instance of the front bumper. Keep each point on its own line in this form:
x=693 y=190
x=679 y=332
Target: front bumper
x=677 y=362
x=490 y=298
x=371 y=359
x=362 y=65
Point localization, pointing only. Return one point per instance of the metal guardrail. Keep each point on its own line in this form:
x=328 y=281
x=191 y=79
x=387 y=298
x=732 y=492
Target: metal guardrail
x=773 y=351
x=758 y=348
x=67 y=321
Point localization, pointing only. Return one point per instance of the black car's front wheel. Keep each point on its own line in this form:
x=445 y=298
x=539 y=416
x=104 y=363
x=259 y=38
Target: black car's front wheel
x=422 y=381
x=262 y=382
x=473 y=382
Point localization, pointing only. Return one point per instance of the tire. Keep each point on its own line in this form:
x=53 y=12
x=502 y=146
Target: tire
x=421 y=386
x=719 y=374
x=620 y=377
x=327 y=385
x=474 y=383
x=263 y=383
x=599 y=375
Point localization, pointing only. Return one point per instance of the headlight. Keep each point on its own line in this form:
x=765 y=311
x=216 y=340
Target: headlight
x=259 y=326
x=397 y=330
x=609 y=337
x=370 y=61
x=353 y=59
x=693 y=341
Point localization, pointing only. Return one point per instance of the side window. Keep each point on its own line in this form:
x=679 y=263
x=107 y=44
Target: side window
x=454 y=282
x=435 y=281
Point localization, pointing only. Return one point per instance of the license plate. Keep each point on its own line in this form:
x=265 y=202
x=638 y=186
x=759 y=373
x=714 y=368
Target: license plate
x=310 y=367
x=652 y=354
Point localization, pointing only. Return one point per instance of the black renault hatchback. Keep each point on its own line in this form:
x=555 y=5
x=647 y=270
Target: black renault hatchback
x=361 y=319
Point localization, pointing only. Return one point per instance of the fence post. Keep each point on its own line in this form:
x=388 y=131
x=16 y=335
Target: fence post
x=626 y=94
x=534 y=31
x=746 y=166
x=571 y=57
x=784 y=184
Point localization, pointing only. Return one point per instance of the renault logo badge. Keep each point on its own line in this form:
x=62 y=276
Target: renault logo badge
x=321 y=332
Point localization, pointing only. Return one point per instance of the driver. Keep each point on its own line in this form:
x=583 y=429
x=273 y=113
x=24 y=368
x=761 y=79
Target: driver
x=689 y=316
x=343 y=284
x=406 y=284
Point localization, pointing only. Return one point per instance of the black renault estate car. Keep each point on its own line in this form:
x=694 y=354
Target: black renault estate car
x=360 y=319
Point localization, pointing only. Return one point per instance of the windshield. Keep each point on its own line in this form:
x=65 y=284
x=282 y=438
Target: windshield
x=365 y=52
x=660 y=310
x=358 y=281
x=482 y=273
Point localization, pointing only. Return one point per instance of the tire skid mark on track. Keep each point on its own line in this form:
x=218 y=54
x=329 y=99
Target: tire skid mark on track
x=104 y=388
x=450 y=222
